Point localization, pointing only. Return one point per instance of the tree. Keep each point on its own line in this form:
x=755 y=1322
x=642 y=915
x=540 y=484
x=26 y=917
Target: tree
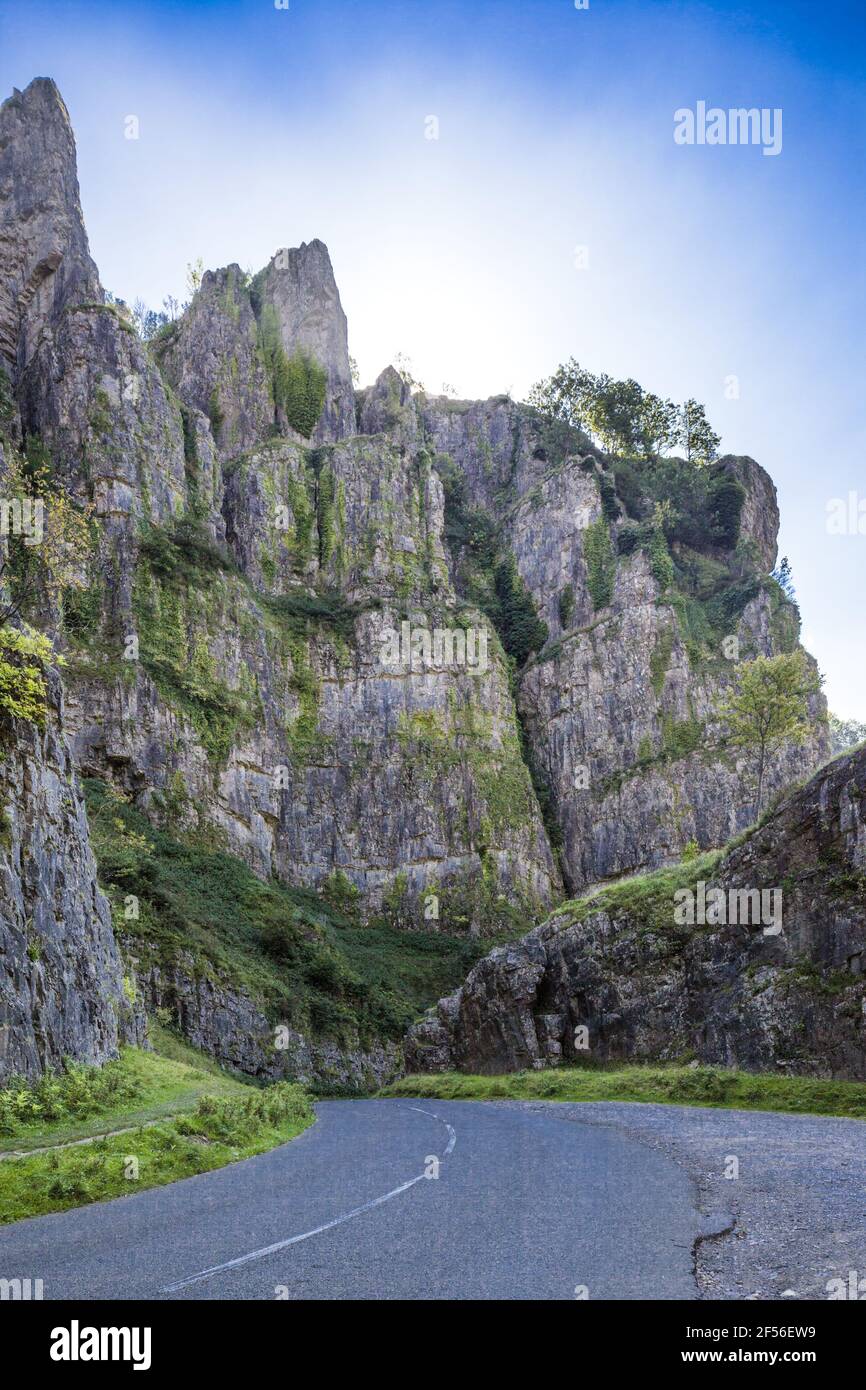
x=658 y=425
x=403 y=366
x=782 y=575
x=147 y=321
x=845 y=734
x=769 y=706
x=566 y=396
x=696 y=435
x=615 y=414
x=194 y=272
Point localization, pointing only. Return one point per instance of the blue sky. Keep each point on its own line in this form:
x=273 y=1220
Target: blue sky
x=262 y=127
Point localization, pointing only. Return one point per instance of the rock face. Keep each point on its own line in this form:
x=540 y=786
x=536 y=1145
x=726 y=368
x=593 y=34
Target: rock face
x=61 y=977
x=300 y=284
x=45 y=264
x=420 y=647
x=780 y=985
x=229 y=1026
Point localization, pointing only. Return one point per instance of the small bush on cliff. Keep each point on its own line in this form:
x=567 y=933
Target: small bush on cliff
x=520 y=628
x=600 y=563
x=24 y=658
x=299 y=384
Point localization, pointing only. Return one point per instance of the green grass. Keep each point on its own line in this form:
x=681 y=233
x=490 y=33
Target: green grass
x=137 y=1088
x=220 y=1129
x=646 y=897
x=665 y=1085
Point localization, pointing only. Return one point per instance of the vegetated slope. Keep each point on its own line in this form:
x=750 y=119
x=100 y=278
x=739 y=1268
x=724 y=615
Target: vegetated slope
x=273 y=980
x=626 y=973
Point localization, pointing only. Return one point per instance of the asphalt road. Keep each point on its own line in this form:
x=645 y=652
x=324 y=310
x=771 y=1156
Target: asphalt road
x=525 y=1206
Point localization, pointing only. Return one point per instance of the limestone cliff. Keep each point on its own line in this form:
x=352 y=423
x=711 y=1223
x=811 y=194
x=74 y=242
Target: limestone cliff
x=642 y=972
x=434 y=660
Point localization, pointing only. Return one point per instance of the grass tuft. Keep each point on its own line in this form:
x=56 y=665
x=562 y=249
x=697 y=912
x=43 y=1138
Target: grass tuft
x=719 y=1087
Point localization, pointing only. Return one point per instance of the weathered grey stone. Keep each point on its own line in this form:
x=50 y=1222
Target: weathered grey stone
x=300 y=284
x=61 y=977
x=212 y=358
x=647 y=988
x=230 y=1027
x=45 y=264
x=411 y=782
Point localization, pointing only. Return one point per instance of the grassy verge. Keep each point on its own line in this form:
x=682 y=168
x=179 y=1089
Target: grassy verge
x=84 y=1101
x=220 y=1130
x=180 y=1115
x=702 y=1086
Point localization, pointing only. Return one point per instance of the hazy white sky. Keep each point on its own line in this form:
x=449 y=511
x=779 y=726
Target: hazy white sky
x=262 y=127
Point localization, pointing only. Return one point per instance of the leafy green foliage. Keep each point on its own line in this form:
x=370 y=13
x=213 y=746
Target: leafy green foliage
x=520 y=629
x=769 y=706
x=661 y=564
x=660 y=658
x=491 y=571
x=566 y=605
x=845 y=734
x=24 y=657
x=600 y=562
x=725 y=506
x=303 y=613
x=215 y=413
x=182 y=552
x=75 y=1093
x=220 y=1130
x=626 y=419
x=298 y=382
x=8 y=408
x=300 y=385
x=310 y=966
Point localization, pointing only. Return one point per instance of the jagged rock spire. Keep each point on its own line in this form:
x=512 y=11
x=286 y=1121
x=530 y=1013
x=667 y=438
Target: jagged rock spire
x=45 y=260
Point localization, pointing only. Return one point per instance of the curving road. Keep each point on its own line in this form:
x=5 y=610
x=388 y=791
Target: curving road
x=524 y=1207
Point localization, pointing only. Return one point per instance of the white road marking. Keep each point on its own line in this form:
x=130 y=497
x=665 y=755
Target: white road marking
x=317 y=1231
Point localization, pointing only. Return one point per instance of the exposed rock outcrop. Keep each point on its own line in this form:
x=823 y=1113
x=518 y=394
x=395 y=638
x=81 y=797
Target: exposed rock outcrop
x=780 y=984
x=228 y=1025
x=61 y=976
x=45 y=264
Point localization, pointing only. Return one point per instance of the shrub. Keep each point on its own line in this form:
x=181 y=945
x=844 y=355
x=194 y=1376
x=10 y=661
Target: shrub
x=566 y=605
x=520 y=628
x=725 y=507
x=600 y=563
x=24 y=657
x=76 y=1092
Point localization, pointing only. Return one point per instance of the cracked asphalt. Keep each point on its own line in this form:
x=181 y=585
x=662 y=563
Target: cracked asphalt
x=784 y=1220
